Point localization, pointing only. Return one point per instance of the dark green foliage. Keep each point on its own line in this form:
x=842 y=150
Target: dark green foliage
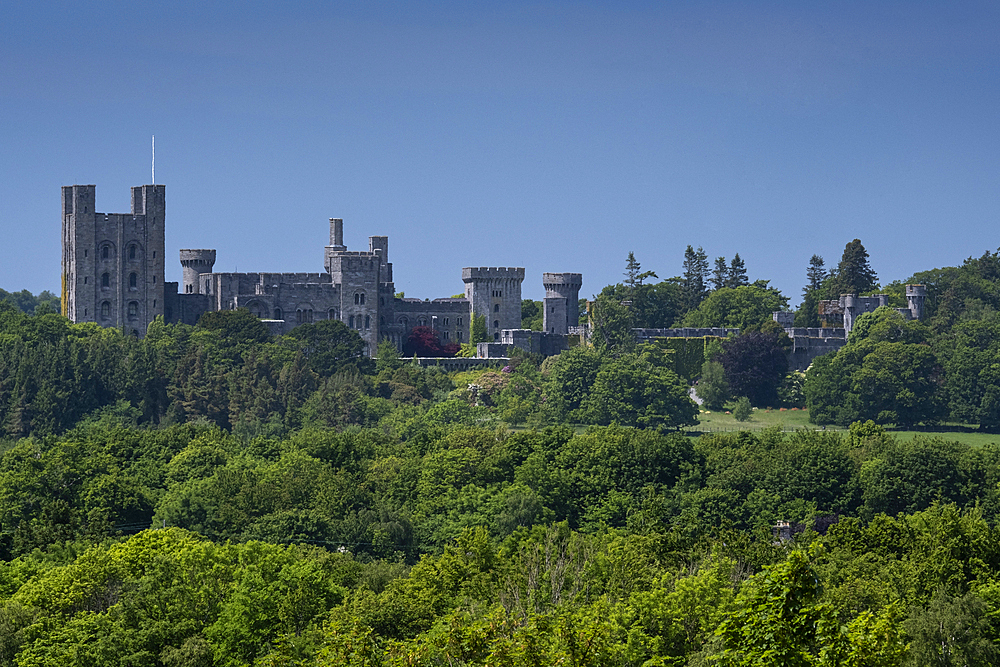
x=755 y=365
x=694 y=286
x=46 y=302
x=330 y=347
x=531 y=314
x=688 y=355
x=747 y=307
x=742 y=410
x=854 y=274
x=712 y=386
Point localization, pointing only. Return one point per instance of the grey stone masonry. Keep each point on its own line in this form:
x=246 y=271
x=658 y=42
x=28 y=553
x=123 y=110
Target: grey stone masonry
x=495 y=292
x=561 y=305
x=113 y=263
x=195 y=262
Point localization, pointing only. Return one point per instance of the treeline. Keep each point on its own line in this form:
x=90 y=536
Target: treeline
x=440 y=541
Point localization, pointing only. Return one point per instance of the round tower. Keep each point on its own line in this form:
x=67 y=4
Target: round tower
x=915 y=296
x=562 y=301
x=195 y=262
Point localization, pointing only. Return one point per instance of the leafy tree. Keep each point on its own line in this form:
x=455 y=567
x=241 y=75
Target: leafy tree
x=747 y=307
x=612 y=335
x=531 y=315
x=693 y=289
x=952 y=631
x=478 y=333
x=854 y=274
x=424 y=342
x=329 y=347
x=737 y=274
x=743 y=410
x=755 y=364
x=568 y=380
x=971 y=360
x=713 y=388
x=654 y=305
x=235 y=326
x=639 y=390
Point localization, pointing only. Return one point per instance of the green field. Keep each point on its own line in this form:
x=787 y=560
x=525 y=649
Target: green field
x=790 y=420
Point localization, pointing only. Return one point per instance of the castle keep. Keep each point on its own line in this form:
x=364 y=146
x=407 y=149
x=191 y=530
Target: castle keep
x=113 y=274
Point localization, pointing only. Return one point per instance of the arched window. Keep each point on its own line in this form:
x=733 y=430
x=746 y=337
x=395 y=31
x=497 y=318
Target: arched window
x=368 y=322
x=496 y=324
x=309 y=315
x=106 y=252
x=381 y=301
x=333 y=313
x=105 y=310
x=133 y=309
x=133 y=279
x=105 y=280
x=381 y=321
x=131 y=251
x=496 y=308
x=362 y=299
x=298 y=316
x=350 y=321
x=277 y=313
x=496 y=336
x=357 y=299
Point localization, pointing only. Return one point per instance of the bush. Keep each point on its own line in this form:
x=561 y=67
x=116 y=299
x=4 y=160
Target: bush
x=713 y=388
x=742 y=410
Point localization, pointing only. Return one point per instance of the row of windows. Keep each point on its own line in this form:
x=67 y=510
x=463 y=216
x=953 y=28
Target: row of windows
x=133 y=280
x=132 y=310
x=133 y=252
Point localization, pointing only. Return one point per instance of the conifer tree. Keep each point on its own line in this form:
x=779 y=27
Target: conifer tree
x=737 y=275
x=695 y=275
x=719 y=273
x=854 y=274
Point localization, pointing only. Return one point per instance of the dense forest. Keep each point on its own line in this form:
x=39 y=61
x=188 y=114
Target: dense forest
x=213 y=495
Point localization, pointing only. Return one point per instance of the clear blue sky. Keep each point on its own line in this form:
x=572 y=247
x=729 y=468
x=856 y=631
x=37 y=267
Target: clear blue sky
x=554 y=136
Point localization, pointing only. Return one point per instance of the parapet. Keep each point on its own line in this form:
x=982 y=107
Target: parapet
x=916 y=290
x=574 y=280
x=198 y=257
x=470 y=273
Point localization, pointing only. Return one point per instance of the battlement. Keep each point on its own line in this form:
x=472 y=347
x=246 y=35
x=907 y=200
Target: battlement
x=573 y=280
x=471 y=273
x=916 y=290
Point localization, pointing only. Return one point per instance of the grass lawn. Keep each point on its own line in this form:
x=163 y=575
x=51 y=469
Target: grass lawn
x=790 y=420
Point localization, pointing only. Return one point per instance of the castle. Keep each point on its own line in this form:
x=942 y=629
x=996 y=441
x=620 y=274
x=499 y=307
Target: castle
x=113 y=274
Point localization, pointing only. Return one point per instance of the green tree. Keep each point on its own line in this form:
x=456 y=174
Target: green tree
x=736 y=276
x=748 y=307
x=720 y=271
x=329 y=347
x=854 y=274
x=639 y=390
x=712 y=387
x=755 y=364
x=693 y=288
x=612 y=335
x=743 y=410
x=478 y=333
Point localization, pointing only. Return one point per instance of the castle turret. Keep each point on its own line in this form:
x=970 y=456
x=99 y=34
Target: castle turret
x=562 y=301
x=915 y=296
x=495 y=293
x=195 y=262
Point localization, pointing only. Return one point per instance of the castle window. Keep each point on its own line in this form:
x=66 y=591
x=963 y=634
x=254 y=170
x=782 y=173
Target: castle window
x=362 y=299
x=131 y=252
x=496 y=324
x=496 y=308
x=333 y=314
x=133 y=280
x=84 y=253
x=298 y=316
x=277 y=313
x=106 y=252
x=445 y=335
x=85 y=280
x=446 y=321
x=368 y=322
x=350 y=321
x=458 y=336
x=133 y=309
x=206 y=287
x=381 y=301
x=496 y=336
x=189 y=289
x=105 y=280
x=381 y=321
x=309 y=315
x=105 y=310
x=84 y=312
x=154 y=254
x=458 y=321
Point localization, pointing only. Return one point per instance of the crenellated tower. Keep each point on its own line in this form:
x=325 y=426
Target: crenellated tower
x=113 y=263
x=495 y=292
x=196 y=262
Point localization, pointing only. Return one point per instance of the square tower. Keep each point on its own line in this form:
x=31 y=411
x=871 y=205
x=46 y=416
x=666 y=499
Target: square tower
x=113 y=263
x=495 y=292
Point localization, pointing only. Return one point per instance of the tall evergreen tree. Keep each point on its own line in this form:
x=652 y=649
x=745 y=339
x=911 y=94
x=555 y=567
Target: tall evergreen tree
x=695 y=275
x=719 y=273
x=854 y=274
x=816 y=273
x=737 y=275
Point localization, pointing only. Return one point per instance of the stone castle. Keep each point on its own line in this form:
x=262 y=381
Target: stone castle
x=113 y=274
